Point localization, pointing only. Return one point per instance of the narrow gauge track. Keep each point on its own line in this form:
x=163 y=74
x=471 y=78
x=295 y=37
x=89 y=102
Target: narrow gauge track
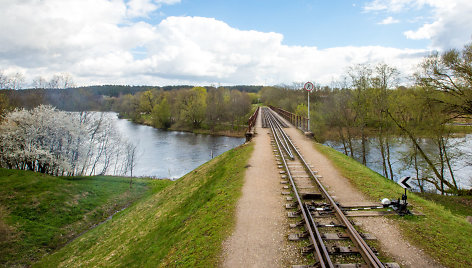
x=308 y=209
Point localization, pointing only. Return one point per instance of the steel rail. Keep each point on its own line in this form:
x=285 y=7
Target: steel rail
x=320 y=239
x=276 y=129
x=280 y=126
x=285 y=144
x=304 y=211
x=369 y=256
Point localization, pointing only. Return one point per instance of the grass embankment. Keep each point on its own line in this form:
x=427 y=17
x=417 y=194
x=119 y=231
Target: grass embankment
x=40 y=213
x=183 y=225
x=442 y=233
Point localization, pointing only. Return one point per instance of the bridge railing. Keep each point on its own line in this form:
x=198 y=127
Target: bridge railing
x=251 y=123
x=296 y=120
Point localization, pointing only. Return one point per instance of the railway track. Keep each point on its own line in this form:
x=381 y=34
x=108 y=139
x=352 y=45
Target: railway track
x=333 y=241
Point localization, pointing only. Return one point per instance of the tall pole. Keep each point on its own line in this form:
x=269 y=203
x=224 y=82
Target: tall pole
x=308 y=87
x=308 y=127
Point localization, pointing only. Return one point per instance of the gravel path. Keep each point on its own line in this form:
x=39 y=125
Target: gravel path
x=259 y=238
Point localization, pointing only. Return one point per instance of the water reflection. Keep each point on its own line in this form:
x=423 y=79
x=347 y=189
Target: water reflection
x=403 y=163
x=171 y=154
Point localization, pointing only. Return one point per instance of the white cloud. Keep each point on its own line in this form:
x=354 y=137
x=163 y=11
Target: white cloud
x=142 y=8
x=389 y=20
x=95 y=41
x=451 y=25
x=395 y=5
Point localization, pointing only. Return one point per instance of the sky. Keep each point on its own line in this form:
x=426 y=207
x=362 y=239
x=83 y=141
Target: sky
x=223 y=42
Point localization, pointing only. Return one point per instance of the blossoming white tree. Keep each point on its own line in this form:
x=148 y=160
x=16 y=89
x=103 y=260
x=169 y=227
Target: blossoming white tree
x=55 y=142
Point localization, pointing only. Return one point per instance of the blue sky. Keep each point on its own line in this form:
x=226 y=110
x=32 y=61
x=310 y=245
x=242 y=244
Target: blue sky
x=320 y=23
x=167 y=42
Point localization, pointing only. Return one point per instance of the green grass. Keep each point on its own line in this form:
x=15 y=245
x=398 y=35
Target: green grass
x=442 y=233
x=183 y=225
x=40 y=213
x=458 y=205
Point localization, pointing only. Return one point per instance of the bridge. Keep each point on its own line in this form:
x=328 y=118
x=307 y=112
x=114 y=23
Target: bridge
x=297 y=210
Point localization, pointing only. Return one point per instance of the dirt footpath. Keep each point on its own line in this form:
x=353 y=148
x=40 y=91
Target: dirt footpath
x=391 y=241
x=259 y=238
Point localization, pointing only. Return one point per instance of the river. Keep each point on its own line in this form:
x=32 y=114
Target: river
x=402 y=162
x=171 y=154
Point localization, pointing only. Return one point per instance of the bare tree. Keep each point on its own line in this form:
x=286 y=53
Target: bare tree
x=17 y=81
x=131 y=152
x=4 y=80
x=40 y=82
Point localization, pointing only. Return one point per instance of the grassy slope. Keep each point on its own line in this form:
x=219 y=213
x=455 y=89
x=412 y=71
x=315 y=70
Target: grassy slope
x=183 y=225
x=40 y=213
x=458 y=205
x=442 y=233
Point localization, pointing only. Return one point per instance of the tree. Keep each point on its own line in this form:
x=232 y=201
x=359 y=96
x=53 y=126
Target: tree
x=61 y=81
x=40 y=82
x=194 y=106
x=239 y=106
x=131 y=152
x=417 y=117
x=55 y=142
x=146 y=101
x=302 y=110
x=385 y=78
x=216 y=111
x=361 y=80
x=15 y=81
x=161 y=114
x=4 y=80
x=3 y=106
x=450 y=73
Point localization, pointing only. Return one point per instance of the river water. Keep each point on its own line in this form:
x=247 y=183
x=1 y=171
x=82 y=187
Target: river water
x=171 y=154
x=403 y=163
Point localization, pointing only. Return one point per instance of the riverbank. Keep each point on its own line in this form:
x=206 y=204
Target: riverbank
x=219 y=130
x=182 y=225
x=40 y=214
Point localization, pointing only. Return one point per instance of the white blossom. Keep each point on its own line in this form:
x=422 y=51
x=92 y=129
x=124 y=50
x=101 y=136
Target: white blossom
x=55 y=142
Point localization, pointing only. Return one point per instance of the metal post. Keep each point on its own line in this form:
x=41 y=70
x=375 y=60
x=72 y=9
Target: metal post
x=308 y=111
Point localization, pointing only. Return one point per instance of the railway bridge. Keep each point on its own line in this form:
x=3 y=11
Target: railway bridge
x=296 y=210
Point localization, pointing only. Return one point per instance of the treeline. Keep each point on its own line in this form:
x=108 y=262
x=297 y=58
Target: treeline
x=58 y=93
x=369 y=103
x=198 y=108
x=92 y=98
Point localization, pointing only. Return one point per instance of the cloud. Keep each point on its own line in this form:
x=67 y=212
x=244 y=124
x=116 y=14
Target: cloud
x=395 y=5
x=389 y=20
x=97 y=43
x=451 y=26
x=141 y=8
